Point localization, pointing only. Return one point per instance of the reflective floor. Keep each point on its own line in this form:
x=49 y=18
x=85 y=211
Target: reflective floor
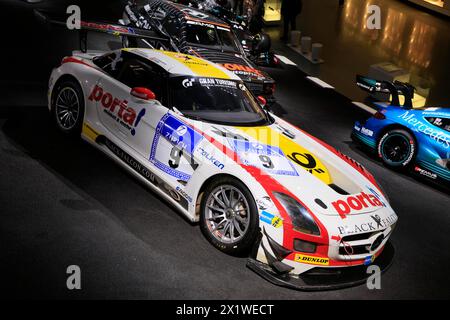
x=410 y=38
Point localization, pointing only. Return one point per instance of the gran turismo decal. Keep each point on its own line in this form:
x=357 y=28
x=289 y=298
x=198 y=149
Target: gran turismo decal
x=145 y=172
x=356 y=204
x=117 y=109
x=311 y=260
x=184 y=194
x=376 y=224
x=182 y=140
x=265 y=203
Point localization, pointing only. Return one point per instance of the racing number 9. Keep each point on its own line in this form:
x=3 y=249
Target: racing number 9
x=266 y=161
x=176 y=154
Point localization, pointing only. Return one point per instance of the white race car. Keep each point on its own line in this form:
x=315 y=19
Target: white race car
x=193 y=132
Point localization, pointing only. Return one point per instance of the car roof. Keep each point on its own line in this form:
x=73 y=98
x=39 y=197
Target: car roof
x=177 y=63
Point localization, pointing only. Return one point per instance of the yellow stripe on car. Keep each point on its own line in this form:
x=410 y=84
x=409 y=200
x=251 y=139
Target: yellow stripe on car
x=89 y=132
x=200 y=67
x=298 y=155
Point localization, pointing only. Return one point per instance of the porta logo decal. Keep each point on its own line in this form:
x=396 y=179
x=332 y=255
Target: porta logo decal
x=117 y=109
x=357 y=203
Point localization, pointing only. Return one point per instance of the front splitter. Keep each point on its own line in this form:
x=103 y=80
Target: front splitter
x=321 y=279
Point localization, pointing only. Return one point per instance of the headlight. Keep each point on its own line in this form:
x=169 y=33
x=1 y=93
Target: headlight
x=301 y=219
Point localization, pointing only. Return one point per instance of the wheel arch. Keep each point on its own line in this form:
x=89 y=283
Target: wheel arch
x=394 y=126
x=209 y=181
x=61 y=78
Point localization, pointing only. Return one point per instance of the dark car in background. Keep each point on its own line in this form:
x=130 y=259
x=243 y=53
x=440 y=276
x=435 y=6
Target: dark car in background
x=198 y=33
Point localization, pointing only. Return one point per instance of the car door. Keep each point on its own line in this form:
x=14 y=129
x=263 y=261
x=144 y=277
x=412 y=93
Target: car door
x=131 y=119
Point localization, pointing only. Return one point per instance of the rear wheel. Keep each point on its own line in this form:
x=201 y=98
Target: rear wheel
x=397 y=148
x=68 y=107
x=229 y=216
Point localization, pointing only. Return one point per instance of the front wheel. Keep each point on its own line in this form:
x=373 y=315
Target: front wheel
x=229 y=216
x=397 y=148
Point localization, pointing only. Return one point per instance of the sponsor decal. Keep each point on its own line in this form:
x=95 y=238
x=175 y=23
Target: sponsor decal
x=311 y=260
x=183 y=140
x=117 y=109
x=437 y=135
x=184 y=194
x=145 y=173
x=370 y=226
x=265 y=203
x=369 y=260
x=212 y=82
x=285 y=131
x=271 y=219
x=241 y=69
x=307 y=161
x=296 y=155
x=109 y=28
x=268 y=158
x=425 y=173
x=357 y=203
x=366 y=132
x=205 y=154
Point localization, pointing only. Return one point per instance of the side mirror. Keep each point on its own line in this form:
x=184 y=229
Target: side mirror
x=262 y=101
x=143 y=93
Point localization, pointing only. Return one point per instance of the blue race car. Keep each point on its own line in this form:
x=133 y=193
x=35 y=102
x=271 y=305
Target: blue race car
x=403 y=137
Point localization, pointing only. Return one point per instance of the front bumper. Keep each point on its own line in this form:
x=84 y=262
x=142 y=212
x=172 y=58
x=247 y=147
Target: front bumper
x=323 y=278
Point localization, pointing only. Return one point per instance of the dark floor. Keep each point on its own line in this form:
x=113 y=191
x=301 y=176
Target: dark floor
x=63 y=203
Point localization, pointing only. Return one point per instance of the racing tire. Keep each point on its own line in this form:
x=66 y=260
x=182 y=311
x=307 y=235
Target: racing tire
x=68 y=107
x=397 y=148
x=229 y=216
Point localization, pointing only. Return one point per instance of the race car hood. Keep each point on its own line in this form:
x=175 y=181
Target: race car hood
x=233 y=62
x=326 y=181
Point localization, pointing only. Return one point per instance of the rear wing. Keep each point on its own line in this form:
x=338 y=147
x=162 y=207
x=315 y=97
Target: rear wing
x=395 y=89
x=104 y=27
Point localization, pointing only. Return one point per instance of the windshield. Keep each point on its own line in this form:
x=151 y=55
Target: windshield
x=216 y=100
x=211 y=37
